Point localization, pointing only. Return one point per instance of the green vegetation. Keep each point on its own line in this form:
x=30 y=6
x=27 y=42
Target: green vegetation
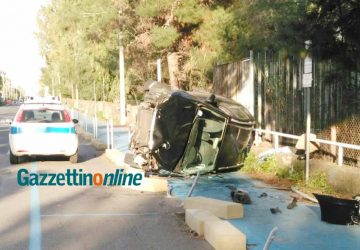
x=253 y=165
x=295 y=173
x=80 y=39
x=317 y=182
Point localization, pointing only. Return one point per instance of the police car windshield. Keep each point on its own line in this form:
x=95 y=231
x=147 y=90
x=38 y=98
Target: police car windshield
x=43 y=116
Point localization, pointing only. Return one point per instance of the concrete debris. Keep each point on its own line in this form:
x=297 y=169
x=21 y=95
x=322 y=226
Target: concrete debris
x=268 y=153
x=300 y=144
x=239 y=196
x=292 y=204
x=263 y=195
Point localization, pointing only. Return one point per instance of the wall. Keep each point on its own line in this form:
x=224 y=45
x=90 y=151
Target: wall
x=105 y=110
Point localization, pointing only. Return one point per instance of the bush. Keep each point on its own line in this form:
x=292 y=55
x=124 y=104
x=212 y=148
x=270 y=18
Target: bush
x=320 y=182
x=254 y=165
x=316 y=182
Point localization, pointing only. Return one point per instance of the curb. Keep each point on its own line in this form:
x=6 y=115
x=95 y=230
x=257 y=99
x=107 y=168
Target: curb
x=98 y=145
x=149 y=184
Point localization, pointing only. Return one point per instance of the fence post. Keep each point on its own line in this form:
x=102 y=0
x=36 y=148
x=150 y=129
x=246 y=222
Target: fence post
x=107 y=134
x=192 y=187
x=112 y=133
x=93 y=122
x=96 y=127
x=276 y=141
x=340 y=155
x=333 y=139
x=86 y=124
x=256 y=138
x=158 y=69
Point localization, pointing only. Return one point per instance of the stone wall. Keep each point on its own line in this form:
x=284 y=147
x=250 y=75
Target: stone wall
x=104 y=110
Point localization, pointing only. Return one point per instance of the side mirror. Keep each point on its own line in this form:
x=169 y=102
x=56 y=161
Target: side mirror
x=75 y=121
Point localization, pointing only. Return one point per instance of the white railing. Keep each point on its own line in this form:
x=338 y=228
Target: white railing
x=276 y=136
x=93 y=123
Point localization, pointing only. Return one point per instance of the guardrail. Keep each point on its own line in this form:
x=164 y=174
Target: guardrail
x=276 y=135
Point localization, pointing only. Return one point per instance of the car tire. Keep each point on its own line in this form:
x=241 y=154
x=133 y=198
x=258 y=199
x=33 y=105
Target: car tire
x=13 y=158
x=74 y=158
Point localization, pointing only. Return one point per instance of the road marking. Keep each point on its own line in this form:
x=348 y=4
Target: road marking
x=35 y=220
x=99 y=214
x=8 y=152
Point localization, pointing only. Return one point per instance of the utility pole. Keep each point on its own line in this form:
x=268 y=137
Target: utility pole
x=122 y=82
x=95 y=108
x=307 y=83
x=77 y=96
x=158 y=69
x=52 y=86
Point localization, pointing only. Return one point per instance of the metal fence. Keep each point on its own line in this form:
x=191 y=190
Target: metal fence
x=279 y=97
x=103 y=131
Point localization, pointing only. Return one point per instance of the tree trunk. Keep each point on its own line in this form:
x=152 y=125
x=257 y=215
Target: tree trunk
x=173 y=66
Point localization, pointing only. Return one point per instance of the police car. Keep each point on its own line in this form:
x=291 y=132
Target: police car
x=43 y=127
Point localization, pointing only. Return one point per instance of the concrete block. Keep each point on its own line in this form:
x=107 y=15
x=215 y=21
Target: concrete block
x=224 y=236
x=195 y=219
x=221 y=209
x=300 y=144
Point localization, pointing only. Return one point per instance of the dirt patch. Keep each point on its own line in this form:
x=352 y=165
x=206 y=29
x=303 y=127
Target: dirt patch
x=272 y=180
x=286 y=184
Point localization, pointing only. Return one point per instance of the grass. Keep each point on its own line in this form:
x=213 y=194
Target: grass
x=254 y=165
x=317 y=182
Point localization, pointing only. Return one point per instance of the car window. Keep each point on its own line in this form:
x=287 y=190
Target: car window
x=43 y=115
x=204 y=141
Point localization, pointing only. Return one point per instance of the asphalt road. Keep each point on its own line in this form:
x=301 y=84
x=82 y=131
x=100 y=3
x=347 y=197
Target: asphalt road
x=70 y=217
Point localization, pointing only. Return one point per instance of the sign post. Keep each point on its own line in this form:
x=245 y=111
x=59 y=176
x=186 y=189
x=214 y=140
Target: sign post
x=306 y=84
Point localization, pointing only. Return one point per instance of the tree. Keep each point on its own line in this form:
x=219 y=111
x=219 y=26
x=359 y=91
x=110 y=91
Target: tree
x=334 y=30
x=79 y=42
x=188 y=33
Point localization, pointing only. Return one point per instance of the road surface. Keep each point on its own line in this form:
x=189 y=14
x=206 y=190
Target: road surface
x=88 y=217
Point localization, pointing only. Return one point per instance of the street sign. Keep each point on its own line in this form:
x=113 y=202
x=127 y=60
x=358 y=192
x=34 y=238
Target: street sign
x=307 y=80
x=307 y=65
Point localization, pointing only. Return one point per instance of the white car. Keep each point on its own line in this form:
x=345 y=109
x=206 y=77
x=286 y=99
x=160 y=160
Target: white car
x=43 y=127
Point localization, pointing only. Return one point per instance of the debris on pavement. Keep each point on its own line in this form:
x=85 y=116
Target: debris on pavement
x=303 y=195
x=268 y=153
x=238 y=195
x=275 y=210
x=263 y=195
x=292 y=204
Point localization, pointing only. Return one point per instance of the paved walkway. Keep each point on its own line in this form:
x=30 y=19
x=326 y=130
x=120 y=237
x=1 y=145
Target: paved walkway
x=299 y=228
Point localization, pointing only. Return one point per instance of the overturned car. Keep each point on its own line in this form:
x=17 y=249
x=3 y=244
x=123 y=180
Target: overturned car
x=179 y=132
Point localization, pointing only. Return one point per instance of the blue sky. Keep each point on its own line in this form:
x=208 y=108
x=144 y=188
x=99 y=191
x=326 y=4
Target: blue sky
x=19 y=50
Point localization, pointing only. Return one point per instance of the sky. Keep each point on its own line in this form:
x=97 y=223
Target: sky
x=20 y=56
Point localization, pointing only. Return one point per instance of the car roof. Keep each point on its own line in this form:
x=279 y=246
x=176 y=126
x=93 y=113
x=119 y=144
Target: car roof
x=34 y=106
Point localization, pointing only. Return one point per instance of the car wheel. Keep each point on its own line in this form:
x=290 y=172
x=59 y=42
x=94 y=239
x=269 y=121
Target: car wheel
x=74 y=158
x=13 y=158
